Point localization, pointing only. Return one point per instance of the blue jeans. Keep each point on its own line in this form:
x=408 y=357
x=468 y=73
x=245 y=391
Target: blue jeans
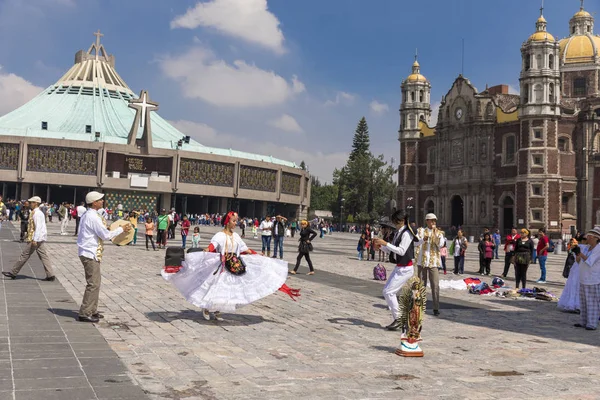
x=496 y=250
x=266 y=243
x=183 y=240
x=534 y=256
x=542 y=260
x=278 y=244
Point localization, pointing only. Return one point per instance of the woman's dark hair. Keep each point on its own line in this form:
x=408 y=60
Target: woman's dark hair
x=487 y=235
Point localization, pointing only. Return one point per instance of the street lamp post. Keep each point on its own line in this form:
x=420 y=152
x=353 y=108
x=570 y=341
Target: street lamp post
x=342 y=215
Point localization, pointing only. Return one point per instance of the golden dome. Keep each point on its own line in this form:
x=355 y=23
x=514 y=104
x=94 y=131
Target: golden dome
x=416 y=64
x=541 y=36
x=416 y=78
x=582 y=13
x=579 y=49
x=541 y=19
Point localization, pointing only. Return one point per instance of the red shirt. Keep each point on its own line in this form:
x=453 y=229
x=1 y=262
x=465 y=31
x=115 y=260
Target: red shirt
x=185 y=227
x=511 y=241
x=541 y=244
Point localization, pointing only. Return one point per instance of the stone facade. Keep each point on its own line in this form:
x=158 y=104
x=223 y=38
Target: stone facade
x=504 y=160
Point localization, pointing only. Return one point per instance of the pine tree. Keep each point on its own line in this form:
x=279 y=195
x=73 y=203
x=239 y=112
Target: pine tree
x=361 y=142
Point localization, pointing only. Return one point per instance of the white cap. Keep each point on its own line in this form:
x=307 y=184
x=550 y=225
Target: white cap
x=431 y=216
x=594 y=232
x=93 y=196
x=35 y=199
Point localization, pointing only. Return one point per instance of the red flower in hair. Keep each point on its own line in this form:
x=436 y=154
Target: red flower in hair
x=230 y=214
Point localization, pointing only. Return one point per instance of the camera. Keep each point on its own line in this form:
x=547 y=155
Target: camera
x=576 y=250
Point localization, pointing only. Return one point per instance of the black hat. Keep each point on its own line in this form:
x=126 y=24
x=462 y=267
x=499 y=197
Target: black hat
x=387 y=223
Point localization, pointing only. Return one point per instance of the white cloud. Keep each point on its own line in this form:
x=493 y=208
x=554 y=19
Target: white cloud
x=214 y=81
x=319 y=163
x=378 y=108
x=249 y=20
x=286 y=123
x=435 y=108
x=16 y=91
x=343 y=98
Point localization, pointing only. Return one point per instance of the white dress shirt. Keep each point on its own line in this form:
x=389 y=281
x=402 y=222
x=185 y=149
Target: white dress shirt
x=266 y=227
x=404 y=244
x=80 y=211
x=39 y=219
x=91 y=228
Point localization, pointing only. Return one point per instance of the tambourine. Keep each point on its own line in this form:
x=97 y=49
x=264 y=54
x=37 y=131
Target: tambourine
x=124 y=238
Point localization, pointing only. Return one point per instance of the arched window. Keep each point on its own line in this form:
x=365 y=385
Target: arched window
x=412 y=121
x=412 y=96
x=526 y=94
x=421 y=96
x=527 y=62
x=429 y=207
x=539 y=93
x=551 y=61
x=563 y=144
x=539 y=61
x=551 y=93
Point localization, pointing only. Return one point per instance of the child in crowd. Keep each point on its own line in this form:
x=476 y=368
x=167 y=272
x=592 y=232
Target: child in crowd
x=149 y=233
x=443 y=255
x=185 y=230
x=196 y=237
x=361 y=246
x=254 y=231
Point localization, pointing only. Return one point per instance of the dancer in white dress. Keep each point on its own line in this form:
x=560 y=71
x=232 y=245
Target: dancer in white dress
x=569 y=299
x=228 y=275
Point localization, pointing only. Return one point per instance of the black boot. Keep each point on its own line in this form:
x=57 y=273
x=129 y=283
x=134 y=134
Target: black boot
x=394 y=326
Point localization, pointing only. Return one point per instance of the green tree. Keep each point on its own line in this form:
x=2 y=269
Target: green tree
x=361 y=141
x=303 y=165
x=365 y=183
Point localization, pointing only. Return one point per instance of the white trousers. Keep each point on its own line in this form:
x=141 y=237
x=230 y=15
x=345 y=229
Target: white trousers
x=64 y=224
x=396 y=280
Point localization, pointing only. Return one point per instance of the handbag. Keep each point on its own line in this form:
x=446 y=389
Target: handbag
x=233 y=263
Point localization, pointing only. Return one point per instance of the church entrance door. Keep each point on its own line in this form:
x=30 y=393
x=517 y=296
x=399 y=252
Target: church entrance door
x=457 y=211
x=508 y=215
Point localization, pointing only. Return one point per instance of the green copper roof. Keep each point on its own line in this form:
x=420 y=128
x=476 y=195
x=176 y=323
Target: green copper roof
x=92 y=96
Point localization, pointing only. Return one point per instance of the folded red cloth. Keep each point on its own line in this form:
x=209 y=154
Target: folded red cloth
x=172 y=270
x=293 y=293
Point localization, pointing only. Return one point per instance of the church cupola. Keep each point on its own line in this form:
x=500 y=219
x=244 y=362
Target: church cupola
x=416 y=102
x=582 y=23
x=540 y=72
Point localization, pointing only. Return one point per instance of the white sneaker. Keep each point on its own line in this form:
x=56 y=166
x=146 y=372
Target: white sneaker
x=218 y=316
x=206 y=314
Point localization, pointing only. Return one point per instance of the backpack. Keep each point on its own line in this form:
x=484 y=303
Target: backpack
x=379 y=273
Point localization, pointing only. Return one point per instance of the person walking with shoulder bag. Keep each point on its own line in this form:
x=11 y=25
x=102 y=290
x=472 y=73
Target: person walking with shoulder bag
x=305 y=247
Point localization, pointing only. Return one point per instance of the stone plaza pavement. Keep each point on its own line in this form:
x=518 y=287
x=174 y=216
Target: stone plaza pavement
x=328 y=345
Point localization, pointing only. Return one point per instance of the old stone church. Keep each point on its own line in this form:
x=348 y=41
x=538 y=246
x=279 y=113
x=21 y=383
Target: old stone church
x=500 y=160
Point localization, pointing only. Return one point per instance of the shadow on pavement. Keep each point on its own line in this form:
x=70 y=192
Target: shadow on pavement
x=354 y=321
x=538 y=320
x=196 y=316
x=61 y=312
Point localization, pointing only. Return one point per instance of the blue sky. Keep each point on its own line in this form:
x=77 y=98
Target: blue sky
x=288 y=78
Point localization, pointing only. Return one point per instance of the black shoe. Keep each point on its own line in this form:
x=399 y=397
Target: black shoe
x=50 y=278
x=394 y=326
x=98 y=315
x=9 y=275
x=587 y=328
x=274 y=257
x=436 y=312
x=88 y=319
x=578 y=326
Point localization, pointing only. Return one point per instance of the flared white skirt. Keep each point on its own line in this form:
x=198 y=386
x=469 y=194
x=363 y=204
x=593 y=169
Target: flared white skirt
x=569 y=299
x=224 y=291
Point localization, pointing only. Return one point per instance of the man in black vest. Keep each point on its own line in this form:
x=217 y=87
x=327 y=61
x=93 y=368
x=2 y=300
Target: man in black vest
x=24 y=217
x=403 y=252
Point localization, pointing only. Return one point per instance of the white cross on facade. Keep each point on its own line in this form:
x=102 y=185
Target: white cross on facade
x=144 y=105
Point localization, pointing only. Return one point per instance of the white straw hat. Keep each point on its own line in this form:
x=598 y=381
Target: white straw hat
x=35 y=199
x=93 y=196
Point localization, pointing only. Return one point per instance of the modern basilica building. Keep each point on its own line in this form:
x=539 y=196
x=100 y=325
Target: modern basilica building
x=496 y=159
x=91 y=131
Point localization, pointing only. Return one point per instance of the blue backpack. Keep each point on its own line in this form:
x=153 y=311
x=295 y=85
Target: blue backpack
x=379 y=273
